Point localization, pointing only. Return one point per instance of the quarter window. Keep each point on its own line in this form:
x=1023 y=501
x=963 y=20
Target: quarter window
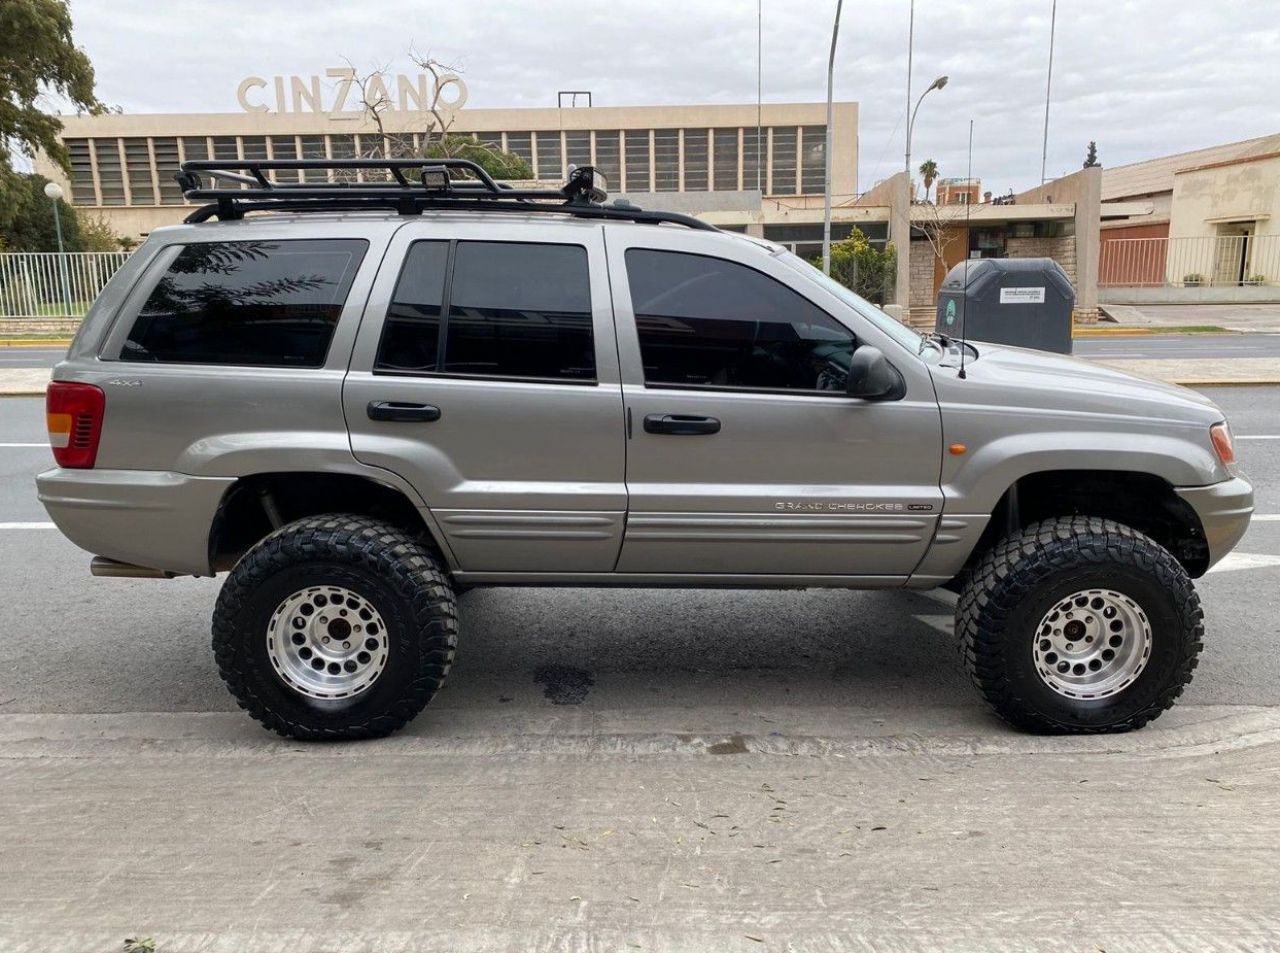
x=517 y=310
x=271 y=304
x=707 y=322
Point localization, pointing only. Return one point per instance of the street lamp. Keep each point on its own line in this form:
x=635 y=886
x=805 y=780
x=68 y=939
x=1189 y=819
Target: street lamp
x=936 y=84
x=53 y=192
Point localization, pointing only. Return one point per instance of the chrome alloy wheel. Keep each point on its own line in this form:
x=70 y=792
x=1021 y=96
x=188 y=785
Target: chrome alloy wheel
x=1092 y=644
x=327 y=642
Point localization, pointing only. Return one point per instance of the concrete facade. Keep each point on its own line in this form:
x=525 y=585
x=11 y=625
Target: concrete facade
x=123 y=165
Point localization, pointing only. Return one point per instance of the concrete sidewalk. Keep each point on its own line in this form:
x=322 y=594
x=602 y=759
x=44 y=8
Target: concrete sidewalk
x=1233 y=317
x=660 y=829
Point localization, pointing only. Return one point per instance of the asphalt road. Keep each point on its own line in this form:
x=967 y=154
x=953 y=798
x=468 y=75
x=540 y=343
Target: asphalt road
x=21 y=357
x=655 y=770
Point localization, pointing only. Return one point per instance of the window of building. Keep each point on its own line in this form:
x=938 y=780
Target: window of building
x=166 y=151
x=284 y=147
x=638 y=163
x=783 y=175
x=755 y=143
x=195 y=147
x=707 y=322
x=726 y=160
x=515 y=310
x=520 y=144
x=81 y=172
x=607 y=155
x=255 y=147
x=695 y=160
x=313 y=147
x=666 y=160
x=813 y=159
x=270 y=304
x=577 y=142
x=137 y=159
x=110 y=174
x=550 y=162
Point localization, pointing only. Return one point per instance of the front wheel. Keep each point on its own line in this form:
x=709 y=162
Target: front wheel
x=335 y=627
x=1079 y=625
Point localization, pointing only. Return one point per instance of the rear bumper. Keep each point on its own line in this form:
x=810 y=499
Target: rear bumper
x=155 y=519
x=1224 y=510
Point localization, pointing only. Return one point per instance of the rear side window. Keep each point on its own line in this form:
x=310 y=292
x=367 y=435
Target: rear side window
x=491 y=309
x=255 y=303
x=707 y=322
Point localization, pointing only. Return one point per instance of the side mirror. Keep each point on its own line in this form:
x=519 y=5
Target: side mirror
x=872 y=377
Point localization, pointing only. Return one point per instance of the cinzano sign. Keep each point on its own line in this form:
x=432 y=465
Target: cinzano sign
x=338 y=93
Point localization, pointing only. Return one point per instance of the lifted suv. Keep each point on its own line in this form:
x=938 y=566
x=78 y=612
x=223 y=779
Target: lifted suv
x=358 y=410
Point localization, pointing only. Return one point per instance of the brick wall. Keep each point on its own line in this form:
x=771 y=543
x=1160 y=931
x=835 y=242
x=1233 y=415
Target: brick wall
x=1062 y=250
x=42 y=327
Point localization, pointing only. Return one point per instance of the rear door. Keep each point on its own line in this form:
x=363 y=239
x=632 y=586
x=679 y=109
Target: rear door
x=745 y=456
x=485 y=373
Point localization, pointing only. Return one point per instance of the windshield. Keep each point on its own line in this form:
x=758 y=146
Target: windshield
x=902 y=334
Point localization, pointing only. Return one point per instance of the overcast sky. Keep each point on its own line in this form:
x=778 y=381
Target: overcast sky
x=1142 y=78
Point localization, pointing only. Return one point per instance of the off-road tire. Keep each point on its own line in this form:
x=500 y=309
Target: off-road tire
x=396 y=573
x=1025 y=574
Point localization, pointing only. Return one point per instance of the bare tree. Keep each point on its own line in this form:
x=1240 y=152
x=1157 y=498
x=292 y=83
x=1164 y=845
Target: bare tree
x=938 y=225
x=432 y=135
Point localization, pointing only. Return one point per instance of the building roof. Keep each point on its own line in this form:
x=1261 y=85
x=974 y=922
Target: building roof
x=1152 y=176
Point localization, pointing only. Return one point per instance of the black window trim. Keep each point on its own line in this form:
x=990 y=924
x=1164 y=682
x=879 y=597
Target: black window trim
x=730 y=388
x=446 y=305
x=131 y=309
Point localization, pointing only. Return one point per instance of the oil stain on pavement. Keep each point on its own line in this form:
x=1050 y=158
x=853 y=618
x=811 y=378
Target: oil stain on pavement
x=564 y=684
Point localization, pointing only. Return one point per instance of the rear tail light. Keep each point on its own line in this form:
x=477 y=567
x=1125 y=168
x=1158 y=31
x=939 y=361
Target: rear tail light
x=74 y=412
x=1223 y=445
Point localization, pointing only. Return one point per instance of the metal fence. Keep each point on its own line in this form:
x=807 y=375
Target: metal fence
x=1215 y=260
x=49 y=285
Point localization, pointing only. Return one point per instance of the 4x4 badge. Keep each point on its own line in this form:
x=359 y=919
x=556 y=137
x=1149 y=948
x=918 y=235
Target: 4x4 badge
x=120 y=382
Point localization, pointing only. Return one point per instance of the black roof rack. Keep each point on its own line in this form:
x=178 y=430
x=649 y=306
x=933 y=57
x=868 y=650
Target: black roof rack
x=410 y=187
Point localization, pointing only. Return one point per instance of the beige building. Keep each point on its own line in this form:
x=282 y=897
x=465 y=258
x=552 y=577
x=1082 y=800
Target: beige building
x=760 y=171
x=1196 y=227
x=732 y=156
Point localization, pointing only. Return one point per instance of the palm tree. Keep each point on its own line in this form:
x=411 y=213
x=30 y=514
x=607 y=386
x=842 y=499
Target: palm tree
x=928 y=172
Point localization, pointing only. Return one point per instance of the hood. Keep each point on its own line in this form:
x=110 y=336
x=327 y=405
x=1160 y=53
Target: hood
x=1012 y=376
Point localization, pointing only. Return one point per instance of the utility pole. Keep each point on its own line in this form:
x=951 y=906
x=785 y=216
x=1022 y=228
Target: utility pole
x=1048 y=87
x=826 y=199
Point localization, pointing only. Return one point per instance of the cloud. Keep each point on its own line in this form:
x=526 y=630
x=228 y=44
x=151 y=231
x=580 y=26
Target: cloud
x=1142 y=78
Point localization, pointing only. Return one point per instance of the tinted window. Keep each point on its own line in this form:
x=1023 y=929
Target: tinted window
x=706 y=322
x=514 y=310
x=272 y=304
x=411 y=335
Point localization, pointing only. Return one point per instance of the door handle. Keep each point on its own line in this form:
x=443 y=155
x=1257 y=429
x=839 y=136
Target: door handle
x=401 y=412
x=681 y=424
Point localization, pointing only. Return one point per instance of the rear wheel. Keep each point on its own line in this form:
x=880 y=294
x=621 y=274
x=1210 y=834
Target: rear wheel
x=335 y=627
x=1079 y=625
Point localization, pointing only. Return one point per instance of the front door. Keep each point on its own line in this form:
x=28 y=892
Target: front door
x=744 y=455
x=485 y=374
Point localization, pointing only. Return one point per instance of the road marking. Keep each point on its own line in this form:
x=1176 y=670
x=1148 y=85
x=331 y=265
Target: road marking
x=1236 y=561
x=27 y=526
x=45 y=444
x=1266 y=517
x=1257 y=436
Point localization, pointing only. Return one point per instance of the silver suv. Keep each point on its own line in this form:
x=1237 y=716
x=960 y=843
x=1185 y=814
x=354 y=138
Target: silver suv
x=383 y=391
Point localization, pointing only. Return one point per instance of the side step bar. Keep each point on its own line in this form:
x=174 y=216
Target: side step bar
x=102 y=566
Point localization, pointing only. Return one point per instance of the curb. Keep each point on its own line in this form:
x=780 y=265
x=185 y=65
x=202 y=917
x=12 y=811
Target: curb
x=36 y=342
x=1089 y=331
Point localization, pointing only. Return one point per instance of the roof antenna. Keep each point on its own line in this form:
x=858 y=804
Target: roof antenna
x=968 y=205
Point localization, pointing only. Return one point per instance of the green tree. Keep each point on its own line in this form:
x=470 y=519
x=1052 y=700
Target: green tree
x=38 y=58
x=499 y=164
x=861 y=267
x=29 y=225
x=929 y=174
x=96 y=234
